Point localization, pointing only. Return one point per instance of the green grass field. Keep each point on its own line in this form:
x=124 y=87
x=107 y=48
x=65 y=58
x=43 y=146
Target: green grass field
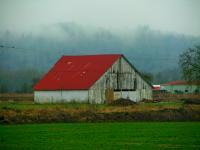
x=32 y=105
x=182 y=135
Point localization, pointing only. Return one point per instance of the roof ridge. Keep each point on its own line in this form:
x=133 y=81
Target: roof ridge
x=116 y=54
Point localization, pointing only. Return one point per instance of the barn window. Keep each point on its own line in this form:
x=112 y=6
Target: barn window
x=118 y=79
x=107 y=82
x=144 y=87
x=135 y=84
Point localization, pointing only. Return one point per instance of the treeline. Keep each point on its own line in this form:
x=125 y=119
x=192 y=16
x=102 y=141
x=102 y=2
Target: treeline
x=150 y=51
x=20 y=81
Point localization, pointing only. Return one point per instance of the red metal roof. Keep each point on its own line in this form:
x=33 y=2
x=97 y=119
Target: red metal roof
x=179 y=82
x=76 y=72
x=156 y=87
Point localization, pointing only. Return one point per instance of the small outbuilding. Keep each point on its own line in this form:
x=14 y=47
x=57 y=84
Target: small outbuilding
x=92 y=79
x=156 y=87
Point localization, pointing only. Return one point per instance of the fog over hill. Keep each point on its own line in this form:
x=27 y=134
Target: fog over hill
x=24 y=57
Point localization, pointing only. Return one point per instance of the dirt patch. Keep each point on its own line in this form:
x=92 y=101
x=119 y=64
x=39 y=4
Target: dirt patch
x=172 y=97
x=122 y=102
x=151 y=100
x=12 y=116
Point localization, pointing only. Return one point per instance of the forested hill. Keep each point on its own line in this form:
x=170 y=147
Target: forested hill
x=24 y=57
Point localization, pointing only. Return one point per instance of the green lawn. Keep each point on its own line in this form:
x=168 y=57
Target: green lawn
x=32 y=105
x=182 y=135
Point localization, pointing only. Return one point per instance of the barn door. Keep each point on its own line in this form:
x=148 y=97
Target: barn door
x=109 y=94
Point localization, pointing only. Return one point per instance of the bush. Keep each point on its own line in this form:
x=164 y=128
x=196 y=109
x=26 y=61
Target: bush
x=192 y=101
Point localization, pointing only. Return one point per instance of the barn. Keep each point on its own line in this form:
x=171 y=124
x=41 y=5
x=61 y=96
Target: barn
x=92 y=79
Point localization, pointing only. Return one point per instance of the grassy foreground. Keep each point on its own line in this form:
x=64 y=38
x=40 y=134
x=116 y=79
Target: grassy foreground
x=154 y=135
x=21 y=106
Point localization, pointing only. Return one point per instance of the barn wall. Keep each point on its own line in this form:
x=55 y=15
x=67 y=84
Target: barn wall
x=60 y=96
x=120 y=77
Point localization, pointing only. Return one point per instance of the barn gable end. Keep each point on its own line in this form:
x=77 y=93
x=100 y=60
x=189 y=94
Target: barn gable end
x=120 y=80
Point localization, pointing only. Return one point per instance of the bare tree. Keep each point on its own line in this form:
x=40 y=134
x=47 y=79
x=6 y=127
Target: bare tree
x=190 y=64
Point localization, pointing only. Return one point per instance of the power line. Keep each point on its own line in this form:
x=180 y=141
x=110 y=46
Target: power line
x=2 y=46
x=12 y=47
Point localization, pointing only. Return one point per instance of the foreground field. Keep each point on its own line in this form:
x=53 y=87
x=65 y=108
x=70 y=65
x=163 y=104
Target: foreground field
x=101 y=136
x=29 y=112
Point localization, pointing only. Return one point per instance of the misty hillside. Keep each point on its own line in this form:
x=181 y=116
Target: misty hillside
x=25 y=57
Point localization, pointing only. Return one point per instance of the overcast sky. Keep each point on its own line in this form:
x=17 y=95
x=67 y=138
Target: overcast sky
x=180 y=16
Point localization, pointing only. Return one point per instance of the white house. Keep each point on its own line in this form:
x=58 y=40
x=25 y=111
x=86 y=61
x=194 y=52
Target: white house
x=180 y=87
x=93 y=79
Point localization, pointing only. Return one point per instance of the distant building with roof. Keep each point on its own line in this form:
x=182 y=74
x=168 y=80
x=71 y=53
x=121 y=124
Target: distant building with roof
x=181 y=87
x=93 y=79
x=156 y=87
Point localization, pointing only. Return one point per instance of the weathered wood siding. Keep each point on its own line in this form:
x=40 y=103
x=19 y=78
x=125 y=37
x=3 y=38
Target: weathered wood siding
x=121 y=78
